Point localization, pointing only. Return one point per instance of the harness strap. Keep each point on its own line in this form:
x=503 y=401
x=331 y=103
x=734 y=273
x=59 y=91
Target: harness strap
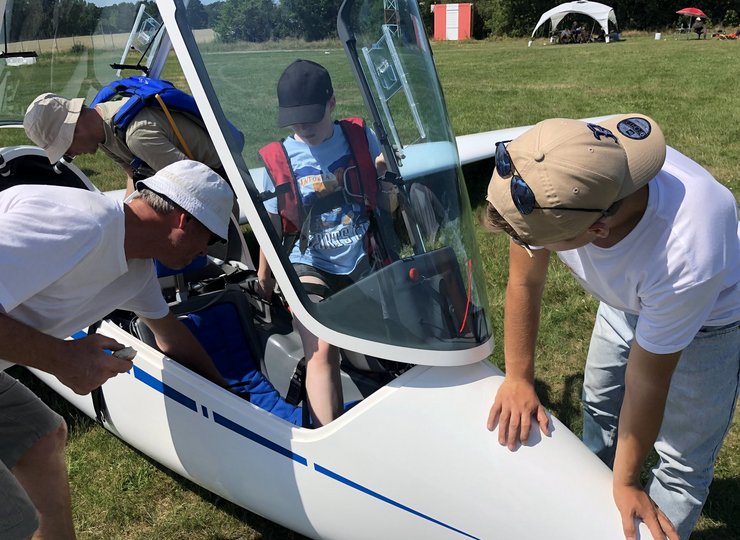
x=98 y=399
x=297 y=388
x=295 y=221
x=171 y=120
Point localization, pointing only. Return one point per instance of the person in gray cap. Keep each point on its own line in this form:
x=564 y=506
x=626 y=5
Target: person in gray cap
x=68 y=258
x=655 y=238
x=62 y=126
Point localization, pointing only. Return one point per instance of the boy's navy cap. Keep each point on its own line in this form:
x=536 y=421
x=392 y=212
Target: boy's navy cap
x=303 y=91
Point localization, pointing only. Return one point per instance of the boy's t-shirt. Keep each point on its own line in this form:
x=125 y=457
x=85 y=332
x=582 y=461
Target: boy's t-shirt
x=336 y=236
x=679 y=268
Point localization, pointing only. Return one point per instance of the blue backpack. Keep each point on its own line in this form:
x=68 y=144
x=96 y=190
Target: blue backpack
x=141 y=91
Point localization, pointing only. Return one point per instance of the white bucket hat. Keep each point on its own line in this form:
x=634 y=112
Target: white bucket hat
x=197 y=189
x=50 y=123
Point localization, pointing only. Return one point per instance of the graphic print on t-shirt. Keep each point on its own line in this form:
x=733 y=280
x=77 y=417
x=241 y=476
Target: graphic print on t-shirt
x=340 y=225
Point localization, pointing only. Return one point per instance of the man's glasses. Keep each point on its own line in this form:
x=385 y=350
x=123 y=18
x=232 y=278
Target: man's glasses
x=215 y=239
x=521 y=193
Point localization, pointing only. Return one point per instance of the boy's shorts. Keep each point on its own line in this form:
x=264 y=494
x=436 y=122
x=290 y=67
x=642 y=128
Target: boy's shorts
x=320 y=284
x=24 y=419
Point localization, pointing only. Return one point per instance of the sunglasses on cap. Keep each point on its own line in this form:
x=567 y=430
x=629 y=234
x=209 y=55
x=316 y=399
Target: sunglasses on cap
x=521 y=193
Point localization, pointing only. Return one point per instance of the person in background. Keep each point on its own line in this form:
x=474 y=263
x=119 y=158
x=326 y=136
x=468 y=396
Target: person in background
x=66 y=127
x=698 y=28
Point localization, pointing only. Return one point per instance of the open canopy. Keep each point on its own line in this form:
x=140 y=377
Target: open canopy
x=600 y=12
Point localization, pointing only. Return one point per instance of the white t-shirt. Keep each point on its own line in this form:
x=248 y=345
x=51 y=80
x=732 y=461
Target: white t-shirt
x=62 y=261
x=679 y=268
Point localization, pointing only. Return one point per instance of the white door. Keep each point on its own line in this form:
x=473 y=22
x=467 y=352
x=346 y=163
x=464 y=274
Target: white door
x=452 y=21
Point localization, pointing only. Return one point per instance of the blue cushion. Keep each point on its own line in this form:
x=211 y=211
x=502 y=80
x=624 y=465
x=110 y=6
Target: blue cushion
x=164 y=271
x=219 y=331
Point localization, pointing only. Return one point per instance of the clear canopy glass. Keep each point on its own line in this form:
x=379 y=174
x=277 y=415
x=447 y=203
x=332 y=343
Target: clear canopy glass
x=422 y=287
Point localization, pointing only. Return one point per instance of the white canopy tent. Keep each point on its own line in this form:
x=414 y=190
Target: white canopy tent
x=599 y=12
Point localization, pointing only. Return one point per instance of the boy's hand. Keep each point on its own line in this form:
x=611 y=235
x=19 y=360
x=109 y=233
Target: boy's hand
x=515 y=404
x=633 y=503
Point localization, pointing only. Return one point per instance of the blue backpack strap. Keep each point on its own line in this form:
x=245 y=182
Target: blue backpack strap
x=141 y=91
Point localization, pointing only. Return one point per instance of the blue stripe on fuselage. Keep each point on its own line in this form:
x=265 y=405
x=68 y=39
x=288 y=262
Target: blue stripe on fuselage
x=375 y=494
x=252 y=436
x=182 y=399
x=165 y=389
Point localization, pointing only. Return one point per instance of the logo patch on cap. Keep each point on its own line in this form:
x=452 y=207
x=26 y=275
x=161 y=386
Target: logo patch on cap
x=635 y=128
x=600 y=132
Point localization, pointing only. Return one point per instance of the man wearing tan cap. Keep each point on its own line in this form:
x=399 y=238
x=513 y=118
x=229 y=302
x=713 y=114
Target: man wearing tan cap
x=62 y=126
x=68 y=258
x=654 y=237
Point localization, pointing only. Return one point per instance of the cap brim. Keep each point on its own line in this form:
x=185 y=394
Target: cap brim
x=302 y=114
x=643 y=143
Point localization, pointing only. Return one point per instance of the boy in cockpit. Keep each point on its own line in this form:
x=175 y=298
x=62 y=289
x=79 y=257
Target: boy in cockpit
x=325 y=211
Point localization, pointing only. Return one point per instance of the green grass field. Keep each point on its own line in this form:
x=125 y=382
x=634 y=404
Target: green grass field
x=689 y=87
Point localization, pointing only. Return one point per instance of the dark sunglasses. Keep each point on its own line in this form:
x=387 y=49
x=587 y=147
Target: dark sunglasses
x=521 y=193
x=215 y=239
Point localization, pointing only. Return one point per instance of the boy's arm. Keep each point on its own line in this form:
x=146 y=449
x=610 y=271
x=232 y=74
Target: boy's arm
x=516 y=401
x=265 y=281
x=648 y=379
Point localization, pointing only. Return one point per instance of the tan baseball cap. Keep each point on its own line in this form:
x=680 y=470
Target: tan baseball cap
x=50 y=123
x=575 y=164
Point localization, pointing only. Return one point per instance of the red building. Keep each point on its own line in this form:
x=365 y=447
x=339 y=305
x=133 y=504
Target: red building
x=453 y=21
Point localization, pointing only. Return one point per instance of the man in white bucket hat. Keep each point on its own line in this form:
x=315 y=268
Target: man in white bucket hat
x=62 y=126
x=68 y=258
x=654 y=237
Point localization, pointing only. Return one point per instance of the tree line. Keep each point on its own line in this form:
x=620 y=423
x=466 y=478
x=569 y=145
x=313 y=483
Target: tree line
x=311 y=20
x=262 y=20
x=518 y=17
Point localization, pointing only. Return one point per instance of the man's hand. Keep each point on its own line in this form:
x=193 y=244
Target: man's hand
x=633 y=502
x=515 y=404
x=83 y=365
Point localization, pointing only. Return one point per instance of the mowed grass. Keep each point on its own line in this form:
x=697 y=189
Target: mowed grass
x=688 y=87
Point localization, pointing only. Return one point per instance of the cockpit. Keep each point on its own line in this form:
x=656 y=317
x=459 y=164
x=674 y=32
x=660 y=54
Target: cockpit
x=420 y=298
